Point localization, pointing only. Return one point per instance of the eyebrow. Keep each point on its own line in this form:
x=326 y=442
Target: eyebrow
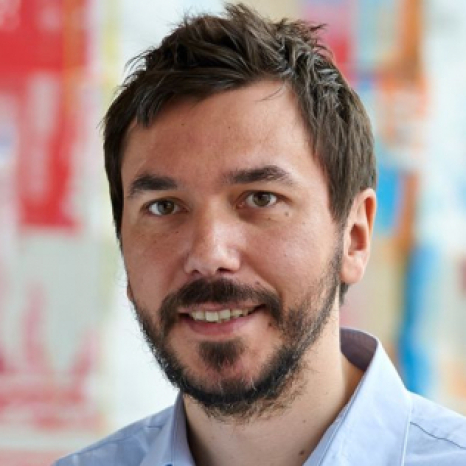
x=266 y=173
x=149 y=182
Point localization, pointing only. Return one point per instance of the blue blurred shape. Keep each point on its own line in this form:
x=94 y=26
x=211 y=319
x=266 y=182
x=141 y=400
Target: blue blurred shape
x=415 y=341
x=389 y=198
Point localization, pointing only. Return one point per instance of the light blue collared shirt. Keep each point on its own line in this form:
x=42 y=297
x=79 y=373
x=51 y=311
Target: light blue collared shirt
x=382 y=425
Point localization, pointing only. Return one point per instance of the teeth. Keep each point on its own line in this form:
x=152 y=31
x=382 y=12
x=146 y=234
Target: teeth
x=222 y=316
x=211 y=316
x=198 y=315
x=236 y=313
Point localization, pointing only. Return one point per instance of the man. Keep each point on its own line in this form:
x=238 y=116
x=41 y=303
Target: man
x=242 y=178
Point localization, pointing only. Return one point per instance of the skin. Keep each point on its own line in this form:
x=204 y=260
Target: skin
x=215 y=228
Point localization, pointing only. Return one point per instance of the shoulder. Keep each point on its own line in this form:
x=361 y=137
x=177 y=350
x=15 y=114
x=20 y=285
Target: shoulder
x=436 y=434
x=125 y=447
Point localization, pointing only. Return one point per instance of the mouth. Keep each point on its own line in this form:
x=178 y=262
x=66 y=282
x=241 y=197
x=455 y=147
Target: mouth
x=214 y=321
x=220 y=315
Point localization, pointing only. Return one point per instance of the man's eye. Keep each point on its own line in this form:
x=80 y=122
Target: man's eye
x=261 y=199
x=163 y=207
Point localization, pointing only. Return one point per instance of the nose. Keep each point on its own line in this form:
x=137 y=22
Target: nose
x=212 y=246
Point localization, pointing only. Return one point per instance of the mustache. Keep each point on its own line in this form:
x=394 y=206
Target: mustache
x=219 y=291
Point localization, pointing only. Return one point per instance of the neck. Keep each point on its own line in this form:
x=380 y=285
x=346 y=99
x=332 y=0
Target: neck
x=286 y=437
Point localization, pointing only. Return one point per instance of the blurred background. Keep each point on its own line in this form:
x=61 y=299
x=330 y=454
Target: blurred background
x=73 y=366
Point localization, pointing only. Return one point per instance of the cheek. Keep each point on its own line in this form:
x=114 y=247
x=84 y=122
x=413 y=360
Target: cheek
x=294 y=259
x=291 y=252
x=149 y=263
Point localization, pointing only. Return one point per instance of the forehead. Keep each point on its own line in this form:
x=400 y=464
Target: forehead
x=256 y=125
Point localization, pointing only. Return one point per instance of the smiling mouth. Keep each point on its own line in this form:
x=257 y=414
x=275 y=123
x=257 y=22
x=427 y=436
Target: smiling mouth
x=223 y=315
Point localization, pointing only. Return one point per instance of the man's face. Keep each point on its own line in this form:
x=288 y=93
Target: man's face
x=230 y=248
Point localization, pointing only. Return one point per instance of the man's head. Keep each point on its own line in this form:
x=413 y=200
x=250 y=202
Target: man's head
x=209 y=54
x=240 y=165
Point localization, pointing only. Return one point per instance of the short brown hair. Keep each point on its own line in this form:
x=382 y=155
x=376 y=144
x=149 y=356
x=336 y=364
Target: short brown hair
x=208 y=54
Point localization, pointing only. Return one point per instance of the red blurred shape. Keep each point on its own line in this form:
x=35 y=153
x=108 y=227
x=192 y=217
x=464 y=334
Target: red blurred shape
x=43 y=46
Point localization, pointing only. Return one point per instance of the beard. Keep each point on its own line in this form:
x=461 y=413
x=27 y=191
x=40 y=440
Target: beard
x=281 y=377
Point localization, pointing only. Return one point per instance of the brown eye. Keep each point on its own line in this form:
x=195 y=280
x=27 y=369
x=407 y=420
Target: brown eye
x=261 y=199
x=163 y=207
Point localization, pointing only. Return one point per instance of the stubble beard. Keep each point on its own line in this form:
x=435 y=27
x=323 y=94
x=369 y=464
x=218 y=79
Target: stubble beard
x=281 y=378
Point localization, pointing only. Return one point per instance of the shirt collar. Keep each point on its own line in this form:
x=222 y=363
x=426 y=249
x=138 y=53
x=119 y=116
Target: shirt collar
x=374 y=426
x=171 y=448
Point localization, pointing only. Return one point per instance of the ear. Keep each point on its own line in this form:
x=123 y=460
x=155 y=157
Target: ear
x=357 y=237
